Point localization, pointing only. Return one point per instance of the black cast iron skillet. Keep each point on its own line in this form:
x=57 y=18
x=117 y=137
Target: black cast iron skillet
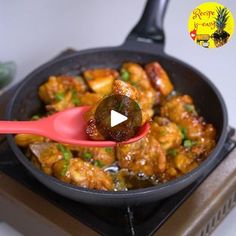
x=144 y=44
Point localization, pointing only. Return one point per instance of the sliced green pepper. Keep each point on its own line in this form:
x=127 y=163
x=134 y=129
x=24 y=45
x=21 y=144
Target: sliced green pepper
x=75 y=98
x=98 y=163
x=108 y=149
x=59 y=96
x=124 y=75
x=188 y=143
x=67 y=155
x=183 y=133
x=87 y=156
x=172 y=152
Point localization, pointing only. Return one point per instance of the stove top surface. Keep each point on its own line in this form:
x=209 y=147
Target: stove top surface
x=139 y=220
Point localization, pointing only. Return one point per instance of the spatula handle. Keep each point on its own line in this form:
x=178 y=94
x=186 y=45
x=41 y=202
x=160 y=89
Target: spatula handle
x=17 y=127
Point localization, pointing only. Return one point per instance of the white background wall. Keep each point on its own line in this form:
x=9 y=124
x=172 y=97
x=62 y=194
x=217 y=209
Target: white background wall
x=32 y=32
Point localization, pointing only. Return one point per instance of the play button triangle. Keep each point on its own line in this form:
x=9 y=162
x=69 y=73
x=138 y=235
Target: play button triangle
x=117 y=118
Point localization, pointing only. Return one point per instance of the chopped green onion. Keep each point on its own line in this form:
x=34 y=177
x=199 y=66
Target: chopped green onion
x=67 y=155
x=120 y=106
x=108 y=149
x=188 y=143
x=65 y=151
x=98 y=163
x=134 y=83
x=172 y=152
x=124 y=74
x=137 y=107
x=35 y=117
x=190 y=108
x=59 y=96
x=87 y=156
x=183 y=133
x=75 y=98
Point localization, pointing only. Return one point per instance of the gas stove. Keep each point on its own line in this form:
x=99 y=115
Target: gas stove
x=33 y=209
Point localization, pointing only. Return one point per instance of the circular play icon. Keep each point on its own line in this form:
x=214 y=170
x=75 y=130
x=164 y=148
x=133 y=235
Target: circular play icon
x=118 y=118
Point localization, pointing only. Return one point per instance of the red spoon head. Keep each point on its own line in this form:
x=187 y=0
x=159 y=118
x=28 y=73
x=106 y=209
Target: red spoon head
x=69 y=127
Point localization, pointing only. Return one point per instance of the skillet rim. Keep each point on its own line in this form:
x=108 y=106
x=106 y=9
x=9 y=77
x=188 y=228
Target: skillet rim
x=118 y=194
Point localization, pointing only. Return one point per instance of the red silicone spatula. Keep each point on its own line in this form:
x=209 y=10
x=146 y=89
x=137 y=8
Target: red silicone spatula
x=66 y=127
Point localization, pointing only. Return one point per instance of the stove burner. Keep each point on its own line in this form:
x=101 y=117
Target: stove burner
x=139 y=220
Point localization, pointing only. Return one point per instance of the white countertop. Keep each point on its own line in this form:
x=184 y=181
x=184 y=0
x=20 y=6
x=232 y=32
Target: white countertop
x=33 y=32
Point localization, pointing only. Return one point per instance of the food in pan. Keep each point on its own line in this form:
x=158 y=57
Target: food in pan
x=178 y=141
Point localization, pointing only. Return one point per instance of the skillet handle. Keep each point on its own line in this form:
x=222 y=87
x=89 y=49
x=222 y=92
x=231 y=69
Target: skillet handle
x=149 y=29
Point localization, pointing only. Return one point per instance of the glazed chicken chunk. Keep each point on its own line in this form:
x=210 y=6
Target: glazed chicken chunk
x=198 y=136
x=181 y=110
x=103 y=156
x=101 y=80
x=167 y=133
x=144 y=157
x=62 y=92
x=159 y=78
x=57 y=160
x=138 y=78
x=83 y=174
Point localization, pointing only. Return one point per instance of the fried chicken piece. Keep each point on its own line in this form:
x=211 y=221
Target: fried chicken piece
x=167 y=133
x=101 y=80
x=47 y=154
x=62 y=104
x=55 y=88
x=145 y=157
x=203 y=146
x=105 y=156
x=183 y=162
x=159 y=78
x=90 y=99
x=199 y=135
x=125 y=89
x=139 y=79
x=180 y=110
x=24 y=140
x=83 y=174
x=137 y=76
x=73 y=99
x=122 y=88
x=180 y=161
x=183 y=159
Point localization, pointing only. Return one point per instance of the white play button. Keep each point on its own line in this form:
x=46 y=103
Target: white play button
x=117 y=118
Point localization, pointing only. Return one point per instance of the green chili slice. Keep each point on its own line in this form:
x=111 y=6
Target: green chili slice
x=75 y=98
x=188 y=143
x=108 y=149
x=190 y=108
x=172 y=152
x=98 y=163
x=67 y=155
x=35 y=117
x=87 y=156
x=183 y=133
x=124 y=74
x=59 y=96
